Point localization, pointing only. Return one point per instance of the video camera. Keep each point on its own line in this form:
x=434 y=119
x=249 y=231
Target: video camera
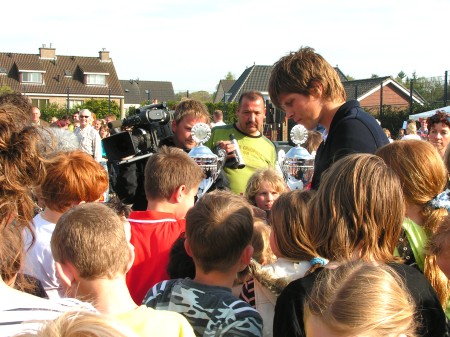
x=140 y=133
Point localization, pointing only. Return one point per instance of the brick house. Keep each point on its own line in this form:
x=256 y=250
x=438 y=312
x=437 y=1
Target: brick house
x=49 y=78
x=366 y=91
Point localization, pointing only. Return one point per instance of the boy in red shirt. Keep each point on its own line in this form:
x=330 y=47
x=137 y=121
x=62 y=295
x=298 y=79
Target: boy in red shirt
x=171 y=183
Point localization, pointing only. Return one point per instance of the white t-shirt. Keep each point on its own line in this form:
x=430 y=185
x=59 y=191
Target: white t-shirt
x=39 y=260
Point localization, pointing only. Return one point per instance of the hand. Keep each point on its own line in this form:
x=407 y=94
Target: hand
x=228 y=146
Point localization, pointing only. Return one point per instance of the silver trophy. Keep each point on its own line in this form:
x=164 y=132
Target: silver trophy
x=205 y=158
x=298 y=164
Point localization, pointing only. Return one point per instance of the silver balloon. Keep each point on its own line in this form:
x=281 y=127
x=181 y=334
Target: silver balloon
x=204 y=157
x=298 y=163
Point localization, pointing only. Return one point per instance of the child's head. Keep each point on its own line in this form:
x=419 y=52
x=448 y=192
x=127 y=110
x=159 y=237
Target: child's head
x=79 y=323
x=219 y=230
x=301 y=72
x=262 y=252
x=313 y=141
x=170 y=172
x=264 y=187
x=180 y=263
x=91 y=238
x=359 y=300
x=72 y=177
x=288 y=218
x=357 y=211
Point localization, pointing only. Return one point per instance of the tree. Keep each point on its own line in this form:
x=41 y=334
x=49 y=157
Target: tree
x=100 y=107
x=4 y=89
x=374 y=76
x=400 y=76
x=230 y=76
x=202 y=96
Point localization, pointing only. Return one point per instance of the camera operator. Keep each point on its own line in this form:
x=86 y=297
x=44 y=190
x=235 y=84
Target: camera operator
x=130 y=180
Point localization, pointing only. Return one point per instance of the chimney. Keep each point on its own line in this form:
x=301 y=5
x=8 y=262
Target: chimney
x=104 y=55
x=47 y=53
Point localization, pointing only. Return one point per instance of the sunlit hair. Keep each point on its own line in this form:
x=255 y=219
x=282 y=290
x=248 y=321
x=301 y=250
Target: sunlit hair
x=91 y=236
x=191 y=107
x=361 y=299
x=167 y=170
x=357 y=211
x=422 y=175
x=251 y=96
x=262 y=252
x=411 y=128
x=73 y=177
x=439 y=117
x=57 y=140
x=21 y=163
x=218 y=228
x=79 y=324
x=288 y=218
x=299 y=72
x=269 y=176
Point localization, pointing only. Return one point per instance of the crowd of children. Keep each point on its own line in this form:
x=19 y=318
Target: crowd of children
x=364 y=254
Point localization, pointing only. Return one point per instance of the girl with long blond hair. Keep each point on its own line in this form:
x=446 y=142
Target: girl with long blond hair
x=423 y=178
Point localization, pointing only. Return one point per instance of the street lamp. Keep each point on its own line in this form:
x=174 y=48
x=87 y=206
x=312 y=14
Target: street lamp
x=226 y=97
x=68 y=100
x=148 y=92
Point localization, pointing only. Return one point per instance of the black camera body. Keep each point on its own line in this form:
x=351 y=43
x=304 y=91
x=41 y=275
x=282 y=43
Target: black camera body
x=140 y=133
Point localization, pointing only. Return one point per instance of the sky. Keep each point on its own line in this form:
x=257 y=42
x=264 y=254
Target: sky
x=195 y=43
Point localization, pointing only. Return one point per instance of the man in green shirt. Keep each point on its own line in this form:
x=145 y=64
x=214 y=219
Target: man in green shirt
x=257 y=151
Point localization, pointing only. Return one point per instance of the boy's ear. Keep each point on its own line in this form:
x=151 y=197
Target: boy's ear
x=246 y=256
x=187 y=247
x=131 y=256
x=178 y=194
x=66 y=273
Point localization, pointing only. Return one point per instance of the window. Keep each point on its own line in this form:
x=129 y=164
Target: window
x=74 y=103
x=96 y=79
x=40 y=103
x=31 y=77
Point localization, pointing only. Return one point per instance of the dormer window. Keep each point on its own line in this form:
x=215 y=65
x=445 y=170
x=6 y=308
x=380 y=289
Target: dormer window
x=95 y=79
x=32 y=77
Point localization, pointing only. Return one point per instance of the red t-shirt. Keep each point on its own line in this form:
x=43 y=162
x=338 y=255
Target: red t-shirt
x=152 y=235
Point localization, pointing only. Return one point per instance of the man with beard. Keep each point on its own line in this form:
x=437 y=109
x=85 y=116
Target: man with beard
x=257 y=151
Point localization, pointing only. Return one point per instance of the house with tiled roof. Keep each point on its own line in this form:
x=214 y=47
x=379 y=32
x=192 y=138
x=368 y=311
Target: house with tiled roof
x=374 y=92
x=50 y=78
x=367 y=91
x=222 y=89
x=137 y=92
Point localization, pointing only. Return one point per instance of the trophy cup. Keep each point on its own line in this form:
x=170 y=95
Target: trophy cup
x=298 y=164
x=205 y=158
